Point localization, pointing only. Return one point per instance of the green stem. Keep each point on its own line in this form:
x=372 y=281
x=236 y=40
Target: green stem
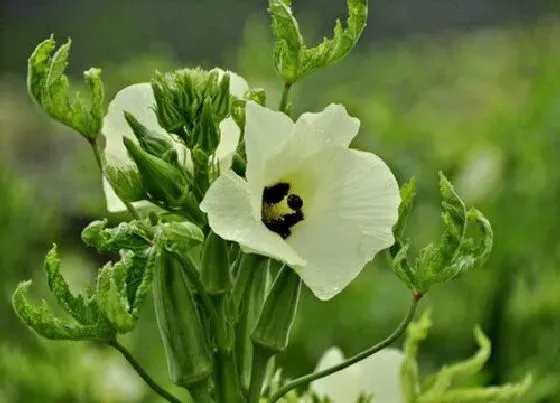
x=200 y=393
x=258 y=371
x=95 y=148
x=284 y=100
x=142 y=373
x=352 y=360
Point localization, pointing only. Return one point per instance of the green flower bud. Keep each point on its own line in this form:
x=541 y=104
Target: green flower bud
x=164 y=182
x=150 y=141
x=186 y=349
x=256 y=94
x=278 y=313
x=215 y=273
x=126 y=182
x=207 y=131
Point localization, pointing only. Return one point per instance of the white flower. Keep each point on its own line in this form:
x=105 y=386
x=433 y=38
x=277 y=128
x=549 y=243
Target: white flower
x=308 y=200
x=138 y=99
x=377 y=376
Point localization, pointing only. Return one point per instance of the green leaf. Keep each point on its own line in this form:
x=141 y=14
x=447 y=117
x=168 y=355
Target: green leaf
x=134 y=235
x=49 y=87
x=113 y=292
x=292 y=59
x=397 y=254
x=83 y=311
x=179 y=237
x=415 y=333
x=503 y=393
x=443 y=379
x=288 y=45
x=43 y=322
x=454 y=255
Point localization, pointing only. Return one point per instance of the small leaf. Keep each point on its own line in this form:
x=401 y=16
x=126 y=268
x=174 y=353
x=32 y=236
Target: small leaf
x=43 y=322
x=49 y=87
x=134 y=235
x=112 y=293
x=443 y=379
x=85 y=312
x=291 y=57
x=415 y=333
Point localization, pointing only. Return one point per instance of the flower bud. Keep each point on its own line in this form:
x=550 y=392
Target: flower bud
x=150 y=141
x=207 y=131
x=164 y=182
x=186 y=348
x=277 y=316
x=126 y=182
x=215 y=272
x=256 y=94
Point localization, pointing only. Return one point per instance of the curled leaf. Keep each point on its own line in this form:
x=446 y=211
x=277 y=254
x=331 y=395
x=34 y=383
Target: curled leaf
x=50 y=88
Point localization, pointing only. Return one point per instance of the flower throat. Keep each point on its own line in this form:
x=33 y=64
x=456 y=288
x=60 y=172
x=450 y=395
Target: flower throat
x=281 y=210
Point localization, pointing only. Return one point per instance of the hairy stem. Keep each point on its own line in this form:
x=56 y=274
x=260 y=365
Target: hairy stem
x=142 y=373
x=352 y=360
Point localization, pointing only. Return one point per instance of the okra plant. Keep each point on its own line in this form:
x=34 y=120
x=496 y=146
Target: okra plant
x=234 y=206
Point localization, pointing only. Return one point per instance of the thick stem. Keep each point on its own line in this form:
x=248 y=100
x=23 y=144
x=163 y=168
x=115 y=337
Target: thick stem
x=352 y=360
x=95 y=148
x=284 y=100
x=142 y=373
x=258 y=371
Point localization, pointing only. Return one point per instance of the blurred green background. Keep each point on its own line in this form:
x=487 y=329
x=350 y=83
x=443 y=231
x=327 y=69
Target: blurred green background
x=471 y=88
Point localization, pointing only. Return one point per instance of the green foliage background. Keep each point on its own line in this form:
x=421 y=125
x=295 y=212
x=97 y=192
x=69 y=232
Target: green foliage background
x=482 y=106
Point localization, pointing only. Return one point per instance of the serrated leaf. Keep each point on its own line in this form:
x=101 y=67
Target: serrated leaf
x=134 y=235
x=293 y=59
x=113 y=293
x=82 y=310
x=50 y=88
x=43 y=322
x=443 y=379
x=179 y=237
x=415 y=333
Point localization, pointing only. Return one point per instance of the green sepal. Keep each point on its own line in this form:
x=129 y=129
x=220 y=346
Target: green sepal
x=180 y=97
x=166 y=184
x=275 y=322
x=207 y=131
x=186 y=348
x=151 y=141
x=114 y=287
x=49 y=87
x=215 y=270
x=293 y=59
x=126 y=182
x=134 y=235
x=455 y=254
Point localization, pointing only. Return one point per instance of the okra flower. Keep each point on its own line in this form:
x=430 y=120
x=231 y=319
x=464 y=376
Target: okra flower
x=377 y=376
x=138 y=99
x=308 y=200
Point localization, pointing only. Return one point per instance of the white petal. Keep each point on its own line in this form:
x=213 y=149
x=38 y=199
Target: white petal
x=138 y=99
x=266 y=132
x=350 y=204
x=230 y=215
x=238 y=86
x=229 y=137
x=313 y=132
x=381 y=374
x=340 y=387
